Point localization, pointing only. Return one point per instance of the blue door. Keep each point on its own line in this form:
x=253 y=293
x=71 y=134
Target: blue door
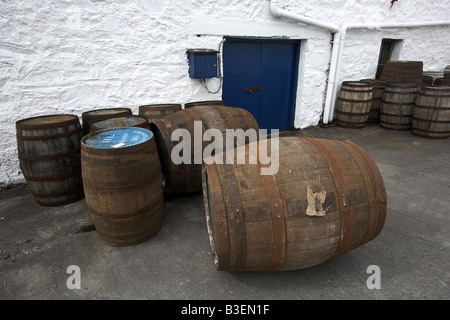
x=261 y=77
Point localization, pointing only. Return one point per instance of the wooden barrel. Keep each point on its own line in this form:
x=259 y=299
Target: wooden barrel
x=354 y=104
x=398 y=106
x=158 y=111
x=128 y=121
x=447 y=72
x=123 y=184
x=203 y=103
x=186 y=177
x=94 y=116
x=49 y=157
x=431 y=117
x=442 y=82
x=377 y=97
x=327 y=198
x=403 y=71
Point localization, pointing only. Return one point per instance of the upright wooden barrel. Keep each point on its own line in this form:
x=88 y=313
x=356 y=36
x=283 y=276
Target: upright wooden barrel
x=203 y=103
x=49 y=157
x=354 y=104
x=398 y=106
x=326 y=198
x=185 y=177
x=377 y=97
x=431 y=117
x=158 y=111
x=94 y=116
x=403 y=71
x=123 y=184
x=128 y=121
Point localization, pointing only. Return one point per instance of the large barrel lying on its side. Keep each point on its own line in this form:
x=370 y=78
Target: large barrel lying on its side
x=186 y=177
x=431 y=117
x=49 y=157
x=123 y=184
x=327 y=197
x=203 y=103
x=93 y=116
x=354 y=104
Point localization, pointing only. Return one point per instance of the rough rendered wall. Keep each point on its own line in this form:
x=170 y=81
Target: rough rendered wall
x=73 y=56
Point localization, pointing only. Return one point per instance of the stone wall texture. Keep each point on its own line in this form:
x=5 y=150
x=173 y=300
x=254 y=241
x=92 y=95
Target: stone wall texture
x=71 y=56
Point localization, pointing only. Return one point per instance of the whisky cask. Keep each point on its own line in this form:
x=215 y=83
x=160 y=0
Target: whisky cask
x=93 y=116
x=354 y=104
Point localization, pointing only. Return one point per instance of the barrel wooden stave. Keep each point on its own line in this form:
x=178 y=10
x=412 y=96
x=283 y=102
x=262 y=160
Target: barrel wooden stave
x=49 y=157
x=93 y=116
x=186 y=178
x=158 y=111
x=354 y=104
x=123 y=192
x=377 y=99
x=249 y=232
x=431 y=117
x=398 y=106
x=127 y=121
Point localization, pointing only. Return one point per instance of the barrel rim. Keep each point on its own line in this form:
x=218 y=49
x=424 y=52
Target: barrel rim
x=356 y=84
x=162 y=106
x=203 y=103
x=93 y=114
x=21 y=124
x=143 y=124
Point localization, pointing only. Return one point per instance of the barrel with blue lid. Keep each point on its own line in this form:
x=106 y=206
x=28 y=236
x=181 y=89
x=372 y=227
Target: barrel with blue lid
x=122 y=182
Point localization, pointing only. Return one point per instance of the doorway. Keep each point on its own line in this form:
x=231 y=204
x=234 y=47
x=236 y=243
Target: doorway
x=261 y=76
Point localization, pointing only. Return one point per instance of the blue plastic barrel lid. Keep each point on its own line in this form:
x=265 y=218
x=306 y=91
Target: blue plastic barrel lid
x=119 y=138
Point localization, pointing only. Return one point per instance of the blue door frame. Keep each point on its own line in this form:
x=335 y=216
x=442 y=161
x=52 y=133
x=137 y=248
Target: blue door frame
x=261 y=76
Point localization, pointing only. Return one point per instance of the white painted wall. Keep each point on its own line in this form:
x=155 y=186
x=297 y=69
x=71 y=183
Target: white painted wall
x=74 y=56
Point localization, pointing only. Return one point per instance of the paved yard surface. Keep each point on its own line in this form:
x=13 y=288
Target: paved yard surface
x=37 y=244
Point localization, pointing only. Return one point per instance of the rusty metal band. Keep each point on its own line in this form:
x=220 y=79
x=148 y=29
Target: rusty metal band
x=396 y=115
x=352 y=122
x=430 y=121
x=383 y=125
x=56 y=136
x=236 y=222
x=278 y=211
x=370 y=188
x=220 y=217
x=56 y=195
x=22 y=125
x=162 y=126
x=355 y=101
x=381 y=190
x=357 y=85
x=162 y=107
x=352 y=113
x=228 y=116
x=51 y=157
x=249 y=119
x=399 y=104
x=53 y=178
x=429 y=131
x=357 y=91
x=402 y=92
x=149 y=210
x=431 y=108
x=341 y=194
x=434 y=96
x=446 y=136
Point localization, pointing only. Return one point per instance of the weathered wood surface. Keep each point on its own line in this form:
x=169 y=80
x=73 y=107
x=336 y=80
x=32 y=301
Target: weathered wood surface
x=127 y=121
x=90 y=117
x=354 y=104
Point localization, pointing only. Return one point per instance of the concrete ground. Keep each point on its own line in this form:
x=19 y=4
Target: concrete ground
x=412 y=252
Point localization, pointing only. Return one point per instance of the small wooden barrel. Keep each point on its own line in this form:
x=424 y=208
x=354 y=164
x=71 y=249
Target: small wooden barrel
x=158 y=111
x=128 y=121
x=326 y=198
x=431 y=118
x=186 y=176
x=203 y=103
x=398 y=106
x=354 y=104
x=442 y=82
x=123 y=184
x=403 y=71
x=93 y=116
x=49 y=157
x=377 y=97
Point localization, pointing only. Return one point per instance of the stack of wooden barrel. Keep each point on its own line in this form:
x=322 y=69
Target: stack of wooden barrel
x=404 y=99
x=262 y=214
